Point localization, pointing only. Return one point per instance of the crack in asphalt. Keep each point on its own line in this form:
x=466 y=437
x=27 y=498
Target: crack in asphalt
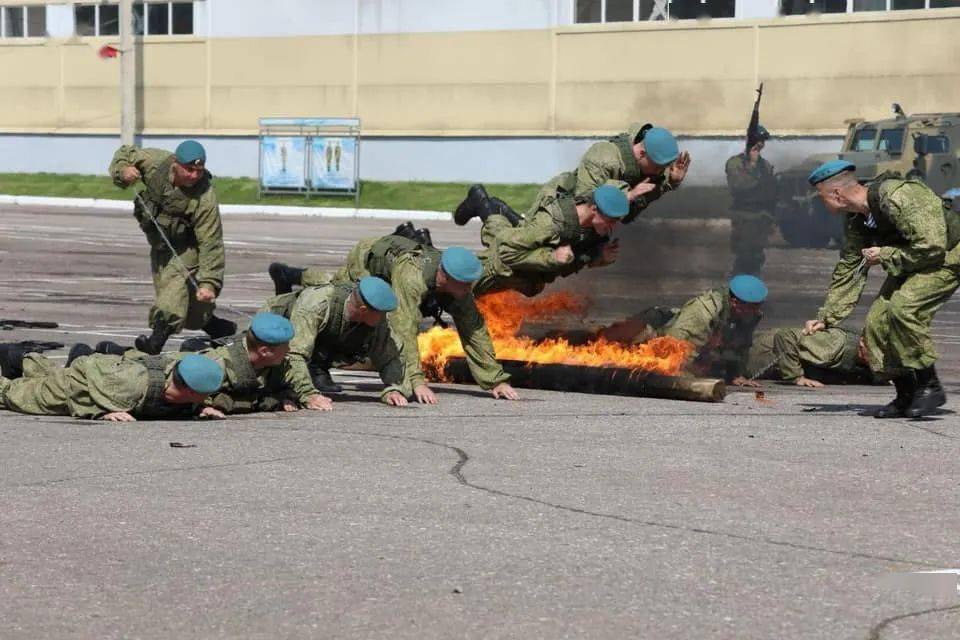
x=463 y=458
x=876 y=631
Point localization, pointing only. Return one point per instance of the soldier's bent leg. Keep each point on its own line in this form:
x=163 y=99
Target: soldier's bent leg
x=284 y=277
x=314 y=277
x=39 y=395
x=749 y=236
x=172 y=297
x=912 y=308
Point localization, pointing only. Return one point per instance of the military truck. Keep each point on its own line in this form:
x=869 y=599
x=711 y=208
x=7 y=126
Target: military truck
x=923 y=145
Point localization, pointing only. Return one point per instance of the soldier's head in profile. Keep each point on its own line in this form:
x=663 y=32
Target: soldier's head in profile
x=189 y=164
x=371 y=301
x=837 y=185
x=655 y=149
x=747 y=294
x=606 y=207
x=459 y=269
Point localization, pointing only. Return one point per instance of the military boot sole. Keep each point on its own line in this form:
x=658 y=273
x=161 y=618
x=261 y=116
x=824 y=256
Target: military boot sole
x=144 y=344
x=277 y=273
x=889 y=411
x=471 y=205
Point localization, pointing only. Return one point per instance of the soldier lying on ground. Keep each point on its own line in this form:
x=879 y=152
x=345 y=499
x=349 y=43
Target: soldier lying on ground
x=836 y=355
x=114 y=388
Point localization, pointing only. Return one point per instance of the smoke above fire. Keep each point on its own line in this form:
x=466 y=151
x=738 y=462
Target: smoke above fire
x=505 y=313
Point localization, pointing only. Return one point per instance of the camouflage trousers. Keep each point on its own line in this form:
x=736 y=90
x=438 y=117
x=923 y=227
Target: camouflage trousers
x=497 y=275
x=176 y=302
x=352 y=270
x=897 y=332
x=749 y=237
x=44 y=389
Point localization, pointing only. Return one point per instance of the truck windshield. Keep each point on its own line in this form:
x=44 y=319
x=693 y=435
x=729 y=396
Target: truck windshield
x=891 y=140
x=864 y=140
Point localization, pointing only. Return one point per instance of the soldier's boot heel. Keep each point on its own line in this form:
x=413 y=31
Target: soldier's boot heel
x=472 y=205
x=78 y=351
x=219 y=327
x=153 y=344
x=500 y=207
x=905 y=385
x=110 y=348
x=194 y=344
x=284 y=277
x=929 y=394
x=11 y=361
x=323 y=381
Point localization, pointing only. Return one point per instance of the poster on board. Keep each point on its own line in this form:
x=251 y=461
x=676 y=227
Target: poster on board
x=283 y=162
x=332 y=163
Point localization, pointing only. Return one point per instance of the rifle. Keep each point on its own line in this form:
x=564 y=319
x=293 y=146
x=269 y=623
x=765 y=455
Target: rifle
x=7 y=325
x=753 y=130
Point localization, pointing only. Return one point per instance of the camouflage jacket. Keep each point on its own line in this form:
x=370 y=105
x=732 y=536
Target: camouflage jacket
x=790 y=351
x=752 y=188
x=910 y=224
x=190 y=217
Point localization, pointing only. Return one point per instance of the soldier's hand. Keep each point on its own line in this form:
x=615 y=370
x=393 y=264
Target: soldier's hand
x=118 y=416
x=807 y=382
x=505 y=391
x=130 y=174
x=740 y=381
x=679 y=168
x=395 y=399
x=810 y=327
x=425 y=394
x=645 y=186
x=563 y=254
x=205 y=294
x=871 y=255
x=210 y=412
x=289 y=406
x=318 y=402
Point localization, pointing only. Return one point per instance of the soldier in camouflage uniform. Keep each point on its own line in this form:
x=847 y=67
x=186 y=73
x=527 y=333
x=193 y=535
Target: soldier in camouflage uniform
x=427 y=282
x=753 y=188
x=836 y=353
x=182 y=200
x=719 y=323
x=908 y=230
x=645 y=157
x=549 y=243
x=337 y=324
x=114 y=388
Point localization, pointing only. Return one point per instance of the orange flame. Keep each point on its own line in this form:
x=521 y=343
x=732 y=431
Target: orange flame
x=506 y=311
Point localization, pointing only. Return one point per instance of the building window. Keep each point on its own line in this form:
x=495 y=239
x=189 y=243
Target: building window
x=162 y=19
x=631 y=10
x=798 y=7
x=23 y=22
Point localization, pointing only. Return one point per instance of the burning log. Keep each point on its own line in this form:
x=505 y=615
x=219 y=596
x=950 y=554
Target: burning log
x=603 y=380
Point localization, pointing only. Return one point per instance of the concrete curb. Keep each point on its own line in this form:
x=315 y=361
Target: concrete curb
x=233 y=209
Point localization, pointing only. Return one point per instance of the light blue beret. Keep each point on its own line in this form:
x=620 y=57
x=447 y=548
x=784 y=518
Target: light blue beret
x=200 y=373
x=748 y=288
x=611 y=201
x=191 y=152
x=271 y=328
x=661 y=146
x=377 y=294
x=829 y=169
x=461 y=265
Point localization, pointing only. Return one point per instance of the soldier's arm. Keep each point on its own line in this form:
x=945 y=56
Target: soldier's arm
x=696 y=320
x=385 y=356
x=309 y=317
x=529 y=246
x=209 y=233
x=918 y=214
x=408 y=285
x=477 y=345
x=641 y=202
x=848 y=280
x=600 y=163
x=129 y=155
x=740 y=178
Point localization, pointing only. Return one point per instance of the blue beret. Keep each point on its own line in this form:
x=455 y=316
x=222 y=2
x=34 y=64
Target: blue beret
x=461 y=265
x=200 y=373
x=271 y=328
x=661 y=146
x=829 y=169
x=377 y=294
x=611 y=201
x=191 y=152
x=748 y=288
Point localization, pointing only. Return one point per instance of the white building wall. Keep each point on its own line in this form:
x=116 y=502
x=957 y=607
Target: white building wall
x=758 y=8
x=255 y=18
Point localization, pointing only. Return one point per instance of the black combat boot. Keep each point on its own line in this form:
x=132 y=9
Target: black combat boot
x=219 y=327
x=929 y=394
x=498 y=206
x=110 y=348
x=284 y=277
x=323 y=381
x=475 y=204
x=78 y=351
x=194 y=344
x=11 y=361
x=906 y=385
x=153 y=344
